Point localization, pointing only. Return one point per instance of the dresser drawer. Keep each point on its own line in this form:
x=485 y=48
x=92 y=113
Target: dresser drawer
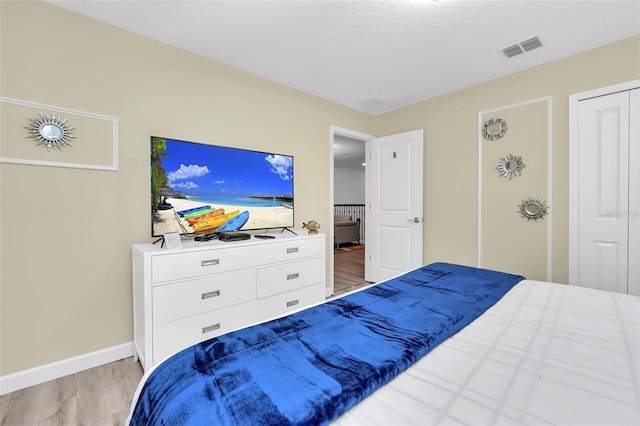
x=289 y=276
x=179 y=266
x=284 y=303
x=199 y=295
x=202 y=290
x=291 y=249
x=171 y=337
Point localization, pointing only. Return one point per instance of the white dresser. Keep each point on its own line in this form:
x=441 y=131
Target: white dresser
x=204 y=289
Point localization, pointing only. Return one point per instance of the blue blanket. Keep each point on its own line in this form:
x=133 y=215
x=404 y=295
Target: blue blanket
x=312 y=366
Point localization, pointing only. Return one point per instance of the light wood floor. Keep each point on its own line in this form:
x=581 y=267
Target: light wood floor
x=102 y=396
x=348 y=270
x=99 y=396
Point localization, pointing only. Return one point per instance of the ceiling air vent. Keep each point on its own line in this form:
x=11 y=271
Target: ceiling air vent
x=523 y=46
x=512 y=51
x=373 y=102
x=532 y=43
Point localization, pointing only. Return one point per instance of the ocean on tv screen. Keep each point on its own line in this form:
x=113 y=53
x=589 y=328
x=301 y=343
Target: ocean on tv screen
x=227 y=186
x=251 y=201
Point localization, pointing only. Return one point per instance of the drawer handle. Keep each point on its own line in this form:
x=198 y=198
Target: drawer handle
x=292 y=303
x=293 y=276
x=292 y=250
x=210 y=294
x=210 y=262
x=210 y=328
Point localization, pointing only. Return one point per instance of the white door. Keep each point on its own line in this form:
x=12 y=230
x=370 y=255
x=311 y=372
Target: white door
x=603 y=192
x=395 y=222
x=634 y=192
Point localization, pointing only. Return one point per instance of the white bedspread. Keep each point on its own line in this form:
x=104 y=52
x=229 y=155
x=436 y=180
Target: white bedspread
x=545 y=354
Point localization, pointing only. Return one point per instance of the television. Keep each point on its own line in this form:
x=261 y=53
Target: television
x=202 y=188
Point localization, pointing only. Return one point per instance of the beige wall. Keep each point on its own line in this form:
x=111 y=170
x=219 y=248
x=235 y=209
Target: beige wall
x=450 y=124
x=66 y=234
x=509 y=242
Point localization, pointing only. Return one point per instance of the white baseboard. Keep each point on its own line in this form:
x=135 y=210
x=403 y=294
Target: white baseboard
x=44 y=373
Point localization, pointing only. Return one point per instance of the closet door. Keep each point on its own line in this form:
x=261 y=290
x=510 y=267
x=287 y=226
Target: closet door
x=603 y=192
x=634 y=192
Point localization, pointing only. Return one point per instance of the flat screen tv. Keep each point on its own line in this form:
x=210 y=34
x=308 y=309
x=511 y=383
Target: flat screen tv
x=198 y=188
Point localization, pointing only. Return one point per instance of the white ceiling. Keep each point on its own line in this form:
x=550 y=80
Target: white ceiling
x=373 y=56
x=348 y=153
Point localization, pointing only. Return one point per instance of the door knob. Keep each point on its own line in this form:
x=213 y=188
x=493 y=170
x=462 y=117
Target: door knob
x=414 y=220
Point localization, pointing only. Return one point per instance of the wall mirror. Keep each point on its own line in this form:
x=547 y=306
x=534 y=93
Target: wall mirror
x=533 y=209
x=510 y=166
x=494 y=129
x=50 y=131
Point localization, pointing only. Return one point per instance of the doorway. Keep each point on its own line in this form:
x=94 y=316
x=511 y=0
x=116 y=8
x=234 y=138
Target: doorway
x=347 y=199
x=393 y=203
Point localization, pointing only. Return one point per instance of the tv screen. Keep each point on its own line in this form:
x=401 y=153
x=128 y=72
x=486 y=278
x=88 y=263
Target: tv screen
x=196 y=188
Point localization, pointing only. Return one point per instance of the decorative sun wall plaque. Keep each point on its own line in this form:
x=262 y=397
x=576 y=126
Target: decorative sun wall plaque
x=50 y=131
x=533 y=209
x=510 y=166
x=50 y=127
x=494 y=129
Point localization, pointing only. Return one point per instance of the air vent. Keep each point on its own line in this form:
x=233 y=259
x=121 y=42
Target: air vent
x=523 y=46
x=532 y=43
x=373 y=102
x=512 y=51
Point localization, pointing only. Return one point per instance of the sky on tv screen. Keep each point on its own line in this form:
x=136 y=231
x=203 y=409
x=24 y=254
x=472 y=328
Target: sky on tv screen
x=201 y=170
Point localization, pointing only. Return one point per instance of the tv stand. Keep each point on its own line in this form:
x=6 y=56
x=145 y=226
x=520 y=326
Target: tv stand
x=185 y=295
x=287 y=229
x=159 y=241
x=284 y=228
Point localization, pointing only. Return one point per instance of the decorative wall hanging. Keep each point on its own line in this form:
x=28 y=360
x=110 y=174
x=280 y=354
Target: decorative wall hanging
x=50 y=131
x=49 y=126
x=510 y=166
x=533 y=209
x=494 y=129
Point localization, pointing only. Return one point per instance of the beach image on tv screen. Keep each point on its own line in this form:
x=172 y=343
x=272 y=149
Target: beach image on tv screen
x=198 y=188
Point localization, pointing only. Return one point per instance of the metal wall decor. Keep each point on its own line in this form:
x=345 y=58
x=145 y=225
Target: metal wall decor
x=510 y=166
x=50 y=131
x=533 y=209
x=494 y=129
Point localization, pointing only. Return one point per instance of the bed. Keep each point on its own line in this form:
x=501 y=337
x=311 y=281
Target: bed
x=442 y=344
